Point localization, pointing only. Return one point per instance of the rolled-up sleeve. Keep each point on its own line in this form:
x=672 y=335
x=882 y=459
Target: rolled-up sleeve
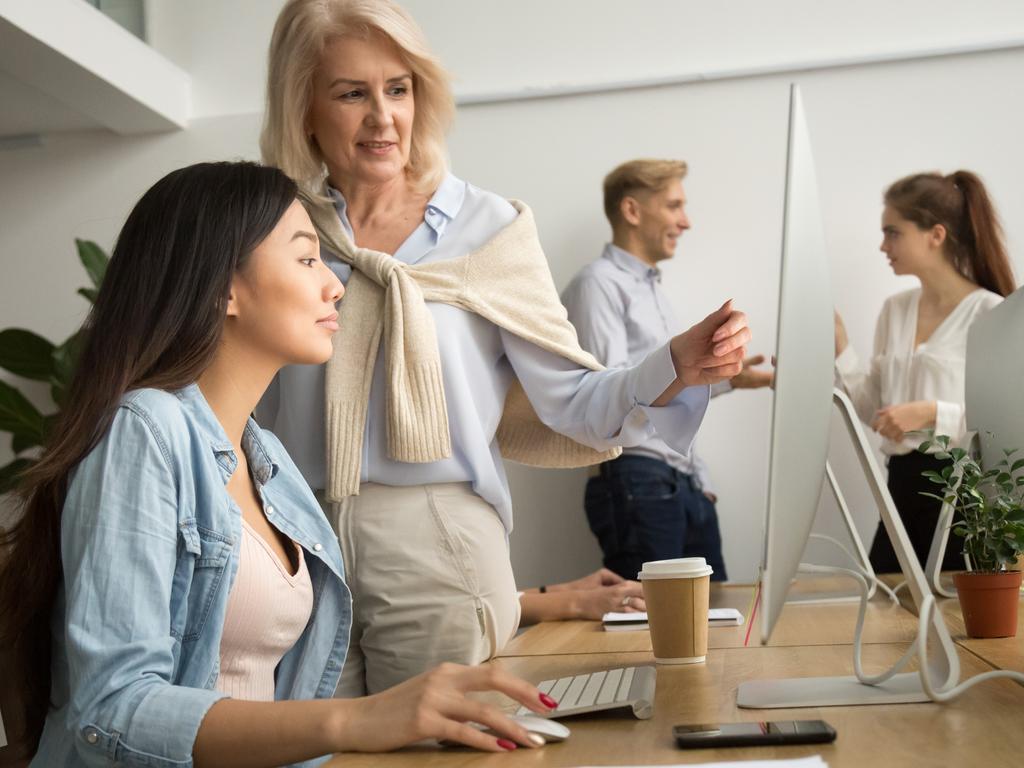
x=119 y=542
x=950 y=419
x=607 y=408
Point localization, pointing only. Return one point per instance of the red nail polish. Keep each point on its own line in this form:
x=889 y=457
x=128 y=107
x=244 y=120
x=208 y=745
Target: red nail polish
x=506 y=744
x=547 y=701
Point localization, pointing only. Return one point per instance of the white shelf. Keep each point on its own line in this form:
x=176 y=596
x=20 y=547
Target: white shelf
x=64 y=65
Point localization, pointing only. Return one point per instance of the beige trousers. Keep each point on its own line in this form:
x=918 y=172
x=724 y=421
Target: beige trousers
x=431 y=581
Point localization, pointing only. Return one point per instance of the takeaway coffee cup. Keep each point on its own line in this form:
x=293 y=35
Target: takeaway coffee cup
x=676 y=593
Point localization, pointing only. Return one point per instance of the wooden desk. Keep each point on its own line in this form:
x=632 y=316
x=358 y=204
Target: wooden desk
x=799 y=625
x=980 y=728
x=1001 y=653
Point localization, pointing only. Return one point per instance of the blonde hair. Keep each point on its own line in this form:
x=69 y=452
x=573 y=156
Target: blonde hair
x=301 y=33
x=635 y=176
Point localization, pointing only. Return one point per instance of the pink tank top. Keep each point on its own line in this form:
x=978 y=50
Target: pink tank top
x=268 y=609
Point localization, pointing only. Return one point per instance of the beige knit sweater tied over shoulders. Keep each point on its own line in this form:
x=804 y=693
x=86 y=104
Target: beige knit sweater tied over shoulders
x=506 y=281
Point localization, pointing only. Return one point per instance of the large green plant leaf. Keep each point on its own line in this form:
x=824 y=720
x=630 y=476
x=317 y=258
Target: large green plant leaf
x=94 y=260
x=89 y=293
x=18 y=415
x=9 y=474
x=64 y=358
x=22 y=441
x=26 y=354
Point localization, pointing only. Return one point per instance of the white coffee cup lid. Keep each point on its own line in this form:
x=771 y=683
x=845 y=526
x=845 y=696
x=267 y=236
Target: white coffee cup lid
x=680 y=567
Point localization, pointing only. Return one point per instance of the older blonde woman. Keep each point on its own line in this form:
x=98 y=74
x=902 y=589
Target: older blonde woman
x=453 y=352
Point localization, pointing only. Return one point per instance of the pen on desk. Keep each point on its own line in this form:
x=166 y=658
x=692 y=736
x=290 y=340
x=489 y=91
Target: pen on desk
x=752 y=612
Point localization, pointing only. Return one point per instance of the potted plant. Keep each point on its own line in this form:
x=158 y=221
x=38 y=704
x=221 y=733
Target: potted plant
x=30 y=356
x=990 y=520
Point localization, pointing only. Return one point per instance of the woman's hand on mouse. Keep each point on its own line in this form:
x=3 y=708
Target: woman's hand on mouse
x=434 y=705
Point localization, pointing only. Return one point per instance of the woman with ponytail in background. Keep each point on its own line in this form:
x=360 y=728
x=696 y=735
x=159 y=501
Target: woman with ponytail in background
x=944 y=231
x=173 y=595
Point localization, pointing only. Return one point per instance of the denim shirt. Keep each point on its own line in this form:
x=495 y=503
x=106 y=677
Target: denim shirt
x=150 y=543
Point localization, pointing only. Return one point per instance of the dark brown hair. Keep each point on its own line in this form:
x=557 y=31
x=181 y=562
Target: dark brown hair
x=960 y=203
x=157 y=323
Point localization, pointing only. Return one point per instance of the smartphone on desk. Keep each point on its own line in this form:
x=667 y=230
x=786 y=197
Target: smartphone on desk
x=753 y=734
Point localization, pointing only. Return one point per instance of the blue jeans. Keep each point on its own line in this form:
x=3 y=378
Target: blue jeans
x=642 y=509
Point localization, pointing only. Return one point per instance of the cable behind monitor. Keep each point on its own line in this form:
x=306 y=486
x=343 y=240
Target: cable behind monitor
x=918 y=647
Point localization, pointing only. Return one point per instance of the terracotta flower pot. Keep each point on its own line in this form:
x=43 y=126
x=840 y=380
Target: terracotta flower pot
x=989 y=602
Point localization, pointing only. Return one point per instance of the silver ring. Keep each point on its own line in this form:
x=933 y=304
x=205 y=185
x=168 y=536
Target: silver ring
x=625 y=601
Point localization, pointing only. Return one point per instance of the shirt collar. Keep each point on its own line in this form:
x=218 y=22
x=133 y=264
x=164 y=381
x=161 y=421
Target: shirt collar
x=263 y=463
x=441 y=209
x=629 y=263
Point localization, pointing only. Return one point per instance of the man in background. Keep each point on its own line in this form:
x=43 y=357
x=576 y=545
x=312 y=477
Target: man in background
x=651 y=503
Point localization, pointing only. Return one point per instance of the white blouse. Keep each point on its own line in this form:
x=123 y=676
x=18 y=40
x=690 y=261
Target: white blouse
x=899 y=373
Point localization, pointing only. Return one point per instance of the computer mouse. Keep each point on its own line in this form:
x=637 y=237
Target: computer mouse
x=549 y=730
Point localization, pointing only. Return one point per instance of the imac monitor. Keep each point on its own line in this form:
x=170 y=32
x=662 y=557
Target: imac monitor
x=801 y=409
x=995 y=369
x=802 y=402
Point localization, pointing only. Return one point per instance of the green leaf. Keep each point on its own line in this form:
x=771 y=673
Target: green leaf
x=923 y=447
x=18 y=415
x=957 y=454
x=58 y=393
x=26 y=354
x=21 y=441
x=64 y=358
x=94 y=259
x=1017 y=465
x=9 y=474
x=89 y=293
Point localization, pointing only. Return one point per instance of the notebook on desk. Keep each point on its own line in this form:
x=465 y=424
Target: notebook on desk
x=624 y=622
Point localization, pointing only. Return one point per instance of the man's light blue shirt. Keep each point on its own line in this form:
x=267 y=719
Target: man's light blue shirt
x=150 y=541
x=621 y=316
x=479 y=361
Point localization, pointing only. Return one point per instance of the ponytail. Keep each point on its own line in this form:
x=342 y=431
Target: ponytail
x=961 y=204
x=983 y=236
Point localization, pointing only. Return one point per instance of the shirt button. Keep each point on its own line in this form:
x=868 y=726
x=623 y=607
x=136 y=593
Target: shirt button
x=92 y=737
x=270 y=511
x=317 y=547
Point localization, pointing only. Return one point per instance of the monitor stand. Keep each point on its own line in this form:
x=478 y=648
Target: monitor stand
x=943 y=662
x=904 y=688
x=861 y=554
x=934 y=565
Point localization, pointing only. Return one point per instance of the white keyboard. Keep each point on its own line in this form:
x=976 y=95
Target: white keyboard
x=619 y=688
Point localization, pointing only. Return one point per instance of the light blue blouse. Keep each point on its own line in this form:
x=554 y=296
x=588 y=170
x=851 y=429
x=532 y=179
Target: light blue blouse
x=479 y=360
x=150 y=540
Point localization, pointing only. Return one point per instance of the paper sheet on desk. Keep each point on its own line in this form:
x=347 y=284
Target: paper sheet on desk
x=717 y=617
x=815 y=761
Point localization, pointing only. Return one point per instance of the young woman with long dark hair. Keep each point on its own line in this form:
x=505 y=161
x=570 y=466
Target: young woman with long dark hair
x=944 y=231
x=172 y=578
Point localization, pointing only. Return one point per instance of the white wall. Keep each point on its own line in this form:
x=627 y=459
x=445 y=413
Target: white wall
x=869 y=124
